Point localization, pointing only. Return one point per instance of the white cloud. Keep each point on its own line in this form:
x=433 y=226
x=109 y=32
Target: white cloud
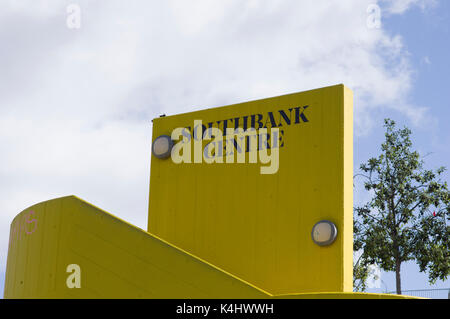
x=426 y=60
x=76 y=105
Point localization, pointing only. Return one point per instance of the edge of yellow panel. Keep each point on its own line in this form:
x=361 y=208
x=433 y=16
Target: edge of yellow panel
x=206 y=108
x=344 y=295
x=348 y=190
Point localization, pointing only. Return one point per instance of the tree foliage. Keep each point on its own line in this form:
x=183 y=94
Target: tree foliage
x=360 y=274
x=407 y=217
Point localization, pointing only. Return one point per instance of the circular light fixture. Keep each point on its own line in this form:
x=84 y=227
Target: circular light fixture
x=324 y=233
x=162 y=147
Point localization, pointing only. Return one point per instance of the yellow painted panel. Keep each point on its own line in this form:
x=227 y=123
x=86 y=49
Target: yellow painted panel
x=117 y=260
x=255 y=226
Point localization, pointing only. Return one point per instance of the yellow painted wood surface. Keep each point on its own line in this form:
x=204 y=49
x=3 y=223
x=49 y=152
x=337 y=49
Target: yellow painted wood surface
x=255 y=226
x=117 y=260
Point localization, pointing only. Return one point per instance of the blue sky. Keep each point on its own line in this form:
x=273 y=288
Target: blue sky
x=426 y=35
x=100 y=85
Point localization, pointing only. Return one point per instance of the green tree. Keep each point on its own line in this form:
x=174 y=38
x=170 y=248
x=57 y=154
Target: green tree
x=407 y=217
x=360 y=273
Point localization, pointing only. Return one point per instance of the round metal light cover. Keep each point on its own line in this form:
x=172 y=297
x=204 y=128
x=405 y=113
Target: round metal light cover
x=324 y=233
x=162 y=147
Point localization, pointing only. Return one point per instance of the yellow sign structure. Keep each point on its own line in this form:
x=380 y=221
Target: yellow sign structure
x=258 y=226
x=261 y=210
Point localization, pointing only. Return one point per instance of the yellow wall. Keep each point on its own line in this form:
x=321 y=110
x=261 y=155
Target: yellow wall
x=255 y=226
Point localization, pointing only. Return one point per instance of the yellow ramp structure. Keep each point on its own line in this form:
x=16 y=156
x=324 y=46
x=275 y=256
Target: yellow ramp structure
x=116 y=259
